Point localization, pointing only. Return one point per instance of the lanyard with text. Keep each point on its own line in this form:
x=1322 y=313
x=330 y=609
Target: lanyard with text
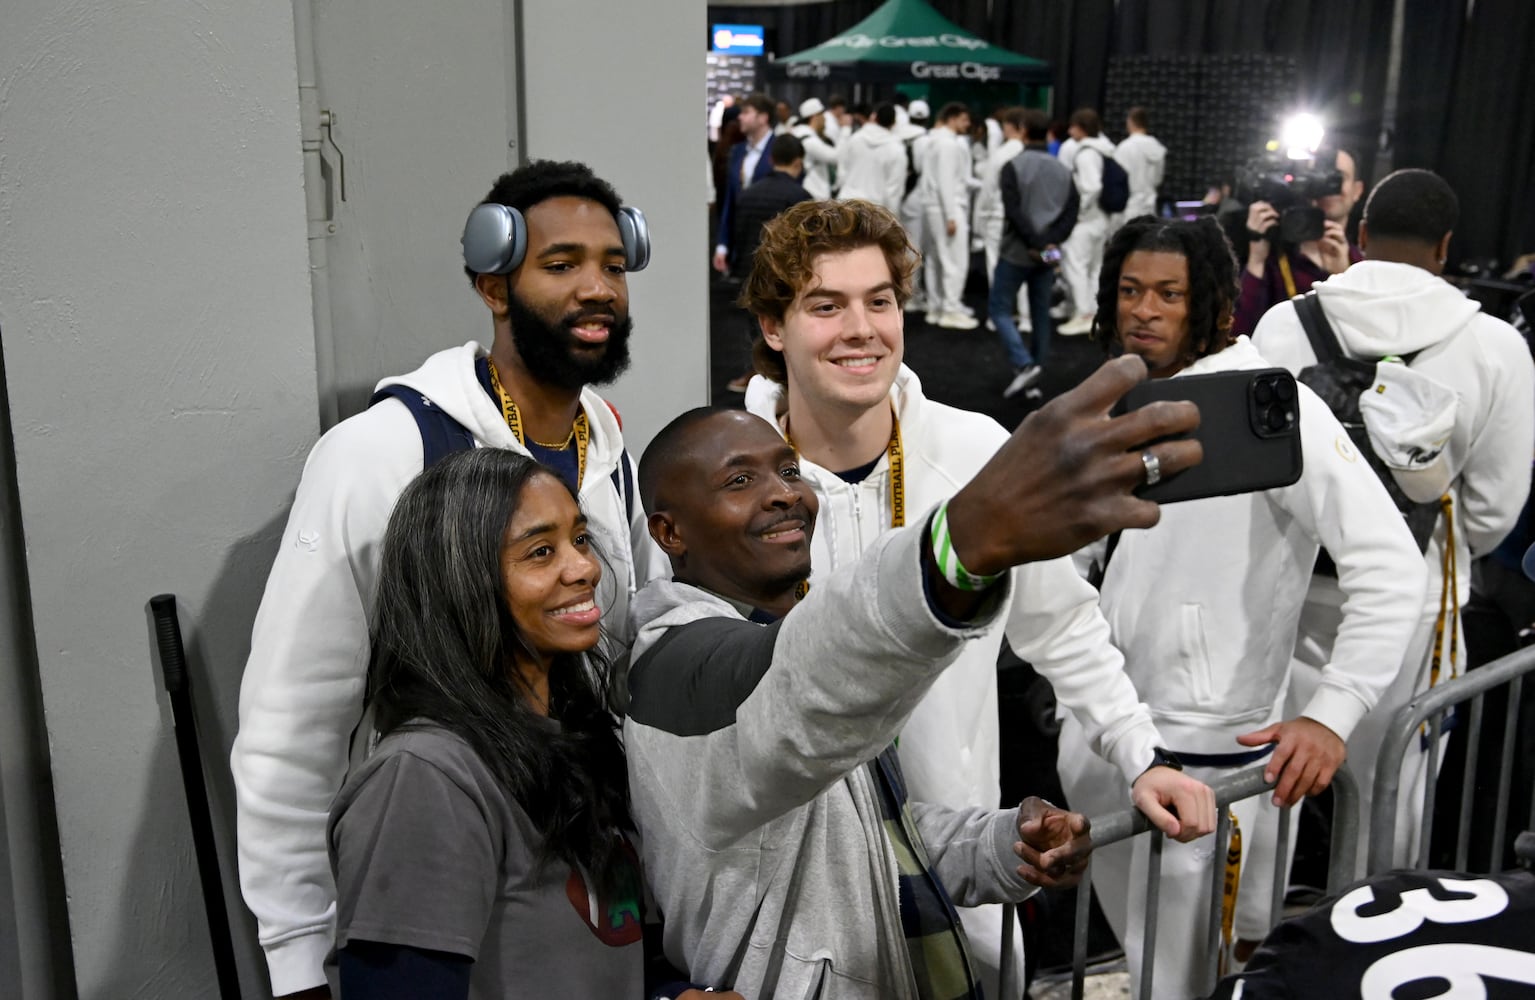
x=897 y=482
x=897 y=471
x=581 y=431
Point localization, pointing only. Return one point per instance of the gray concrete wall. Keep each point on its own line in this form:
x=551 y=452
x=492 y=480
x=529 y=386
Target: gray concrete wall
x=154 y=295
x=160 y=361
x=618 y=85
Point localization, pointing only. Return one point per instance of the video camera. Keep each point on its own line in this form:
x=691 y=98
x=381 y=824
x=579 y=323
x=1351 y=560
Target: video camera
x=1292 y=188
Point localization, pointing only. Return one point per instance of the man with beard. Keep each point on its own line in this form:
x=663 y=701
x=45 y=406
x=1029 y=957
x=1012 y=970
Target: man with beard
x=548 y=252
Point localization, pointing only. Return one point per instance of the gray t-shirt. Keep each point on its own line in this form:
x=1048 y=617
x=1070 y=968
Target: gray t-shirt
x=429 y=851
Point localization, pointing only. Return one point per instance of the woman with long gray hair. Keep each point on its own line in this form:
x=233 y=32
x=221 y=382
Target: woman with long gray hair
x=482 y=849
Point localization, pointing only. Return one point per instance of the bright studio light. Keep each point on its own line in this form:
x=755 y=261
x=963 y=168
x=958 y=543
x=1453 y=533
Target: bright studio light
x=1300 y=136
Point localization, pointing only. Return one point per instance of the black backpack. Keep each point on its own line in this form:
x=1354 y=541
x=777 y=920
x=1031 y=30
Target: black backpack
x=441 y=436
x=1116 y=183
x=1339 y=380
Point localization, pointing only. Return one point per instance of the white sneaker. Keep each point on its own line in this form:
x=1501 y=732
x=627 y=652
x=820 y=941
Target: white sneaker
x=967 y=310
x=1077 y=324
x=1026 y=377
x=954 y=321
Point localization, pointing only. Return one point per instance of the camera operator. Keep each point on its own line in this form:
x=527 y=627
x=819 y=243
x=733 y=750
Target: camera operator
x=1279 y=268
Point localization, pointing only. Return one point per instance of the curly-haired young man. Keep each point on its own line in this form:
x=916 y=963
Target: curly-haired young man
x=827 y=286
x=1205 y=605
x=560 y=322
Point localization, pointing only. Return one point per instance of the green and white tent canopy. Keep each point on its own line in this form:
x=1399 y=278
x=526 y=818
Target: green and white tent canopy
x=906 y=40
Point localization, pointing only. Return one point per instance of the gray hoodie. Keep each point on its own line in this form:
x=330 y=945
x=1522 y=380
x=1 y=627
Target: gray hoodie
x=761 y=827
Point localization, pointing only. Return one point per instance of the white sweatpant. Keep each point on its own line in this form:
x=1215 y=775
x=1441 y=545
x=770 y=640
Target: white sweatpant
x=947 y=261
x=1095 y=787
x=1081 y=262
x=912 y=216
x=1313 y=648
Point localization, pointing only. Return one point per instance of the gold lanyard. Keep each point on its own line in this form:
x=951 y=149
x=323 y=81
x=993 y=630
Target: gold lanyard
x=581 y=430
x=1286 y=274
x=897 y=482
x=897 y=470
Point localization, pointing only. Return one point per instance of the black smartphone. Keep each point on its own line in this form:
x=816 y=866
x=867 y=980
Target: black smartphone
x=1249 y=425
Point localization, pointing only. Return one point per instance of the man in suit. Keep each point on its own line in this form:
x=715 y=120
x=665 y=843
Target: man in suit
x=750 y=161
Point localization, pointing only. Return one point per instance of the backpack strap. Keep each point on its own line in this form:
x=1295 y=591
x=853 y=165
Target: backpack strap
x=625 y=485
x=1324 y=342
x=441 y=435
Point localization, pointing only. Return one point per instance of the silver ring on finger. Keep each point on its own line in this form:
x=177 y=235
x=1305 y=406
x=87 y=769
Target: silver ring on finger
x=1153 y=467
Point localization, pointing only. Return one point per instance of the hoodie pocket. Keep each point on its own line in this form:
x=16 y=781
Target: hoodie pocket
x=1194 y=658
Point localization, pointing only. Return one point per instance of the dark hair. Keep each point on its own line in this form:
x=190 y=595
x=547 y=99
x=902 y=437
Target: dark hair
x=1212 y=278
x=786 y=149
x=1137 y=116
x=540 y=180
x=442 y=644
x=1036 y=125
x=784 y=263
x=1087 y=120
x=836 y=101
x=1016 y=117
x=884 y=115
x=1415 y=205
x=656 y=463
x=760 y=102
x=862 y=109
x=952 y=110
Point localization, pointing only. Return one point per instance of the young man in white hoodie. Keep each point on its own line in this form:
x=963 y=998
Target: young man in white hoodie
x=1394 y=303
x=1205 y=605
x=827 y=288
x=559 y=309
x=872 y=162
x=1144 y=158
x=1082 y=253
x=944 y=192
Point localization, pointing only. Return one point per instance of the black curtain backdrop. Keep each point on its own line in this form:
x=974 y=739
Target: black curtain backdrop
x=1466 y=102
x=1485 y=120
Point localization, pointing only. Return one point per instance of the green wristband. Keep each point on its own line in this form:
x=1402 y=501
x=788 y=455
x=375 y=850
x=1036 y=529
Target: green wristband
x=948 y=560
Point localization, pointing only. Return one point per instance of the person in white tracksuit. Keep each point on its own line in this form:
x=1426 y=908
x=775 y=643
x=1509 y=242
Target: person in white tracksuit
x=1395 y=303
x=874 y=448
x=1145 y=159
x=872 y=162
x=989 y=215
x=944 y=191
x=1082 y=253
x=820 y=151
x=1205 y=605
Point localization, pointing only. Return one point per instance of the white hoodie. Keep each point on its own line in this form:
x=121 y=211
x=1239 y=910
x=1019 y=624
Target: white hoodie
x=873 y=167
x=951 y=747
x=302 y=694
x=1206 y=604
x=1087 y=172
x=1144 y=159
x=1380 y=308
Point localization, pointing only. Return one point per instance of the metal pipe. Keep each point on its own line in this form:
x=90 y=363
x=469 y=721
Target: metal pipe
x=1404 y=729
x=1345 y=830
x=1079 y=940
x=1468 y=785
x=1153 y=897
x=1505 y=773
x=316 y=210
x=1430 y=789
x=1281 y=868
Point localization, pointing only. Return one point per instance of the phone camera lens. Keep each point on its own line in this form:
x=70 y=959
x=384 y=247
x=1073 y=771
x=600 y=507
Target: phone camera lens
x=1284 y=390
x=1263 y=392
x=1278 y=418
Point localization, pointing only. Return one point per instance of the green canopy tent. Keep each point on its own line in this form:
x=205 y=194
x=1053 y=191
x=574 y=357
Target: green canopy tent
x=906 y=41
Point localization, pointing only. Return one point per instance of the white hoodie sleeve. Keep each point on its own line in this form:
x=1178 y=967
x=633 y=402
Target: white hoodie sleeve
x=302 y=693
x=1495 y=480
x=1340 y=502
x=1055 y=625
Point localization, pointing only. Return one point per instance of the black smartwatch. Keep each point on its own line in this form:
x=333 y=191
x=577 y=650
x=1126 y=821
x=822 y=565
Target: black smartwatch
x=1163 y=757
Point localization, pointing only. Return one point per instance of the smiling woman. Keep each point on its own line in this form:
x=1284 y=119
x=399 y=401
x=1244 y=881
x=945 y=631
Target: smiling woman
x=483 y=844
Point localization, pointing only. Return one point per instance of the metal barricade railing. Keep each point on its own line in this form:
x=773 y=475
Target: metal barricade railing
x=1431 y=706
x=1124 y=825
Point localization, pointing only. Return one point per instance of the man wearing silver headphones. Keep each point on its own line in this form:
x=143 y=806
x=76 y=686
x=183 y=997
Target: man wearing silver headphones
x=548 y=251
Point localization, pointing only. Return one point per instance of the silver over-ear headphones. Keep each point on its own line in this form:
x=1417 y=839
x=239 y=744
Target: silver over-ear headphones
x=496 y=239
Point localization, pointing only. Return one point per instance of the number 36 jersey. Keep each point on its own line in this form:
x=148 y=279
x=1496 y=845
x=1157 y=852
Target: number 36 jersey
x=1404 y=934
